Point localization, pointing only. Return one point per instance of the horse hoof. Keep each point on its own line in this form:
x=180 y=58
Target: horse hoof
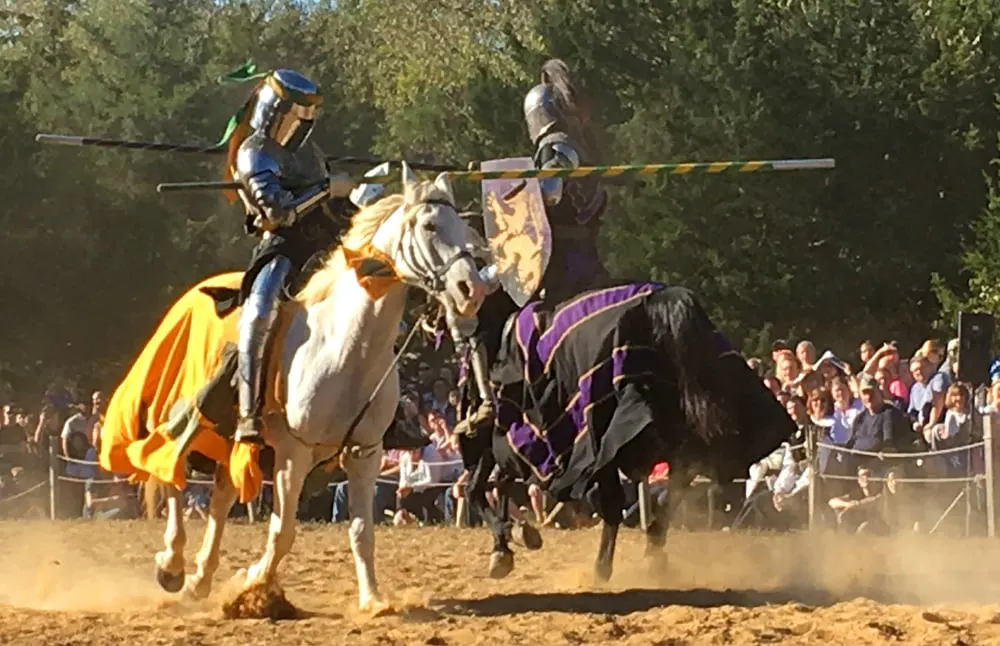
x=602 y=572
x=528 y=536
x=376 y=608
x=172 y=583
x=197 y=592
x=501 y=564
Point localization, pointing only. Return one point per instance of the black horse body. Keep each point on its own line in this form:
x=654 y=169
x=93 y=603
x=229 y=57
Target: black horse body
x=613 y=380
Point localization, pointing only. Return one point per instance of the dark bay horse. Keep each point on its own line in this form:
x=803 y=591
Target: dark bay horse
x=609 y=382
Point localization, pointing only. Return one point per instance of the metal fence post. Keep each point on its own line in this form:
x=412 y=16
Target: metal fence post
x=53 y=474
x=991 y=528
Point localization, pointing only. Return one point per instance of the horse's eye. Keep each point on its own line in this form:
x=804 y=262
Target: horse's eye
x=430 y=226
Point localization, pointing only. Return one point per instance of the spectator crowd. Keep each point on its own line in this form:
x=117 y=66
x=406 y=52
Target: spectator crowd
x=888 y=404
x=893 y=418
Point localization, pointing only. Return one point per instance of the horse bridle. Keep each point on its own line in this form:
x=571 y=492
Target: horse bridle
x=419 y=259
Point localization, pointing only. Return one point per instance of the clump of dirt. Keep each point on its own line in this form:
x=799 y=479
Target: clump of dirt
x=260 y=601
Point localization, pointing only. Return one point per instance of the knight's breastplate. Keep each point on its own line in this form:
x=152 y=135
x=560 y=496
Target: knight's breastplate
x=301 y=167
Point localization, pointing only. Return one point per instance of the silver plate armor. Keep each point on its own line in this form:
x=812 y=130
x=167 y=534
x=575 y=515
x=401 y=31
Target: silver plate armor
x=555 y=154
x=256 y=324
x=285 y=109
x=540 y=111
x=265 y=169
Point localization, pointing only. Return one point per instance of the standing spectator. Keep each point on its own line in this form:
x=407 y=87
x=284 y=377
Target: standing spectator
x=11 y=432
x=438 y=397
x=786 y=368
x=454 y=401
x=866 y=351
x=845 y=408
x=805 y=351
x=950 y=366
x=927 y=394
x=879 y=427
x=955 y=430
x=777 y=348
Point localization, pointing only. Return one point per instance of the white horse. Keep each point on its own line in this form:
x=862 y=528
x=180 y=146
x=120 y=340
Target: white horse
x=337 y=349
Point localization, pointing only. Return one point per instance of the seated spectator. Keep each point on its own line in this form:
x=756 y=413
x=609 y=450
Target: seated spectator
x=417 y=493
x=858 y=510
x=385 y=492
x=773 y=463
x=658 y=481
x=106 y=500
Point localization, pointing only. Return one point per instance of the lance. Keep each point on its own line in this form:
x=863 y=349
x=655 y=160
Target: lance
x=128 y=144
x=648 y=169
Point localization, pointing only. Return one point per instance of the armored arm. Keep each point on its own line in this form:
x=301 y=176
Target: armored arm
x=278 y=206
x=557 y=154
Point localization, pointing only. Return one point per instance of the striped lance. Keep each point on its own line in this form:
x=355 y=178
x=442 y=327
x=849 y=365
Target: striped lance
x=650 y=169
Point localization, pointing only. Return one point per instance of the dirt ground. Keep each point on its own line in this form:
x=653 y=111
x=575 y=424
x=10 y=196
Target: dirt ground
x=92 y=583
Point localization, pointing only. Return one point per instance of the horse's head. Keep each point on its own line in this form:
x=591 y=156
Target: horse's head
x=428 y=244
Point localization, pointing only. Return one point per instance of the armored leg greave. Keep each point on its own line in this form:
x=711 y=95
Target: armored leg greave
x=260 y=311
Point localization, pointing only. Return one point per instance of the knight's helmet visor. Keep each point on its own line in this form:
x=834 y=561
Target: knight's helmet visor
x=286 y=108
x=540 y=111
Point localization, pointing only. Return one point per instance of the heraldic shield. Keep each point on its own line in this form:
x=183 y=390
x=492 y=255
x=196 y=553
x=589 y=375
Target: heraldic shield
x=517 y=228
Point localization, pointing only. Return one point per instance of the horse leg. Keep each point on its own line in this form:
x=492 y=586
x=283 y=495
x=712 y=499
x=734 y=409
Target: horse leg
x=207 y=560
x=502 y=558
x=170 y=562
x=611 y=501
x=524 y=532
x=362 y=471
x=656 y=531
x=292 y=462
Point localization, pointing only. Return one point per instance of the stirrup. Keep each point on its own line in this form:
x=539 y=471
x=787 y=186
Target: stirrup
x=249 y=430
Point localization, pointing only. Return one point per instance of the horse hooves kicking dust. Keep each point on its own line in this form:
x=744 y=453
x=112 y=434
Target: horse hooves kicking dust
x=260 y=601
x=501 y=564
x=527 y=535
x=172 y=583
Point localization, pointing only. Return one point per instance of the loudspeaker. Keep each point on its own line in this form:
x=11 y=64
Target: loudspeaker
x=975 y=338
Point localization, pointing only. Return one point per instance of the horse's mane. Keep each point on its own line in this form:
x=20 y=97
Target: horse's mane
x=364 y=224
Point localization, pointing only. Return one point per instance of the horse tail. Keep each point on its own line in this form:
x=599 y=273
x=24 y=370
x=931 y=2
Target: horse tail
x=573 y=104
x=682 y=331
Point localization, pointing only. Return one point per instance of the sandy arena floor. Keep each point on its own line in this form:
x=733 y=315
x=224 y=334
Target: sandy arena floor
x=86 y=584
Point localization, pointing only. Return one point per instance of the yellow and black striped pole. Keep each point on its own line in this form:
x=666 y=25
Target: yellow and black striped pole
x=649 y=169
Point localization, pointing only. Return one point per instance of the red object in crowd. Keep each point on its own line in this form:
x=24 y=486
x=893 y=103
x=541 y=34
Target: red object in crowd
x=660 y=470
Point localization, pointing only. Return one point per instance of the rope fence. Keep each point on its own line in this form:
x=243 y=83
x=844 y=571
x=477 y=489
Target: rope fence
x=812 y=448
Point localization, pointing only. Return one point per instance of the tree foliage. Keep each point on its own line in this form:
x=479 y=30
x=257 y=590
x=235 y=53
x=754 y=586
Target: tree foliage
x=899 y=91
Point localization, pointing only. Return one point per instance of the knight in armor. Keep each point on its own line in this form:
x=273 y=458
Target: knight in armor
x=294 y=216
x=559 y=127
x=560 y=131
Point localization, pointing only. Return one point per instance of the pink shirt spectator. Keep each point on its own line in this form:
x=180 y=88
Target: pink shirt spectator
x=898 y=389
